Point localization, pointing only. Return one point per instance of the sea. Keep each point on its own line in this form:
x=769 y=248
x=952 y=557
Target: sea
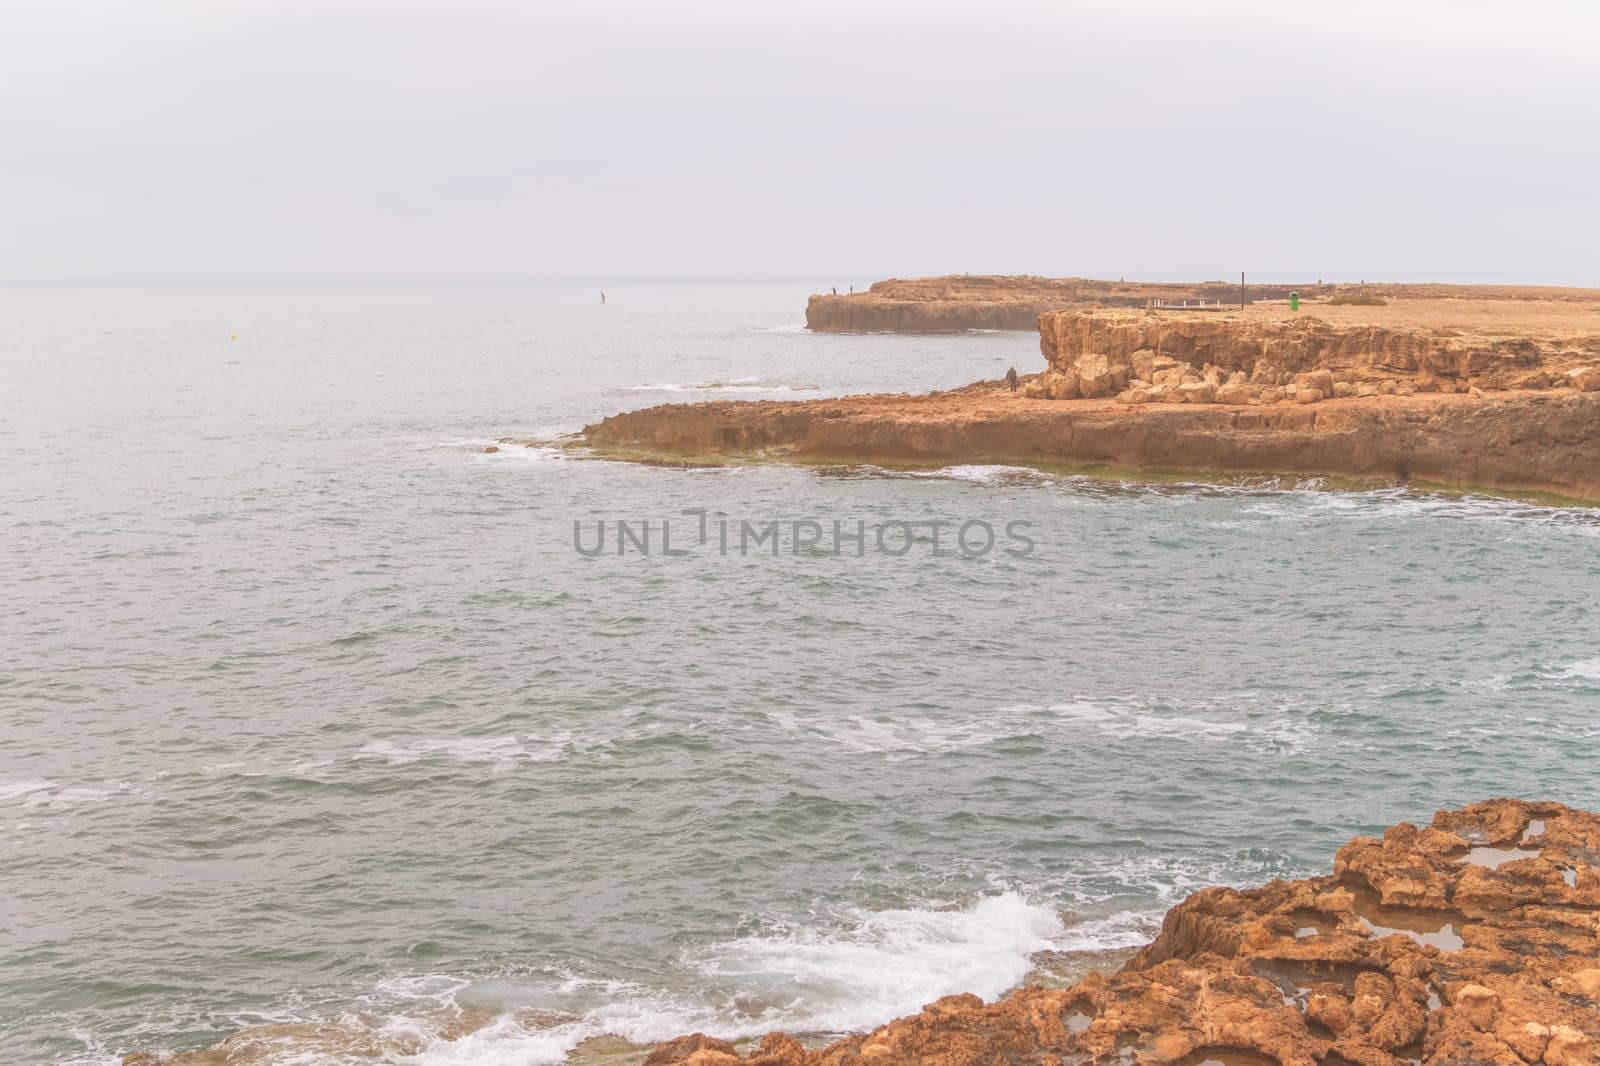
x=324 y=720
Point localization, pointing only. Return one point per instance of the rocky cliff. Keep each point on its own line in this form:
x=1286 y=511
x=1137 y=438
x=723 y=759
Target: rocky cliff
x=957 y=303
x=1100 y=353
x=1544 y=440
x=1473 y=941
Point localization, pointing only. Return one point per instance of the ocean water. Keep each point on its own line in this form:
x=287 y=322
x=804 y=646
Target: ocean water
x=310 y=711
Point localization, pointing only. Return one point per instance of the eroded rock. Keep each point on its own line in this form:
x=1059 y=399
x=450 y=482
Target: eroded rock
x=1329 y=971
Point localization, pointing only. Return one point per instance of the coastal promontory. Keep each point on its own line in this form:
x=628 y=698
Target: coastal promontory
x=1491 y=390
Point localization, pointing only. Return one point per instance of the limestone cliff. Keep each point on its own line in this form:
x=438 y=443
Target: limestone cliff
x=1546 y=440
x=1473 y=941
x=962 y=302
x=954 y=303
x=1269 y=351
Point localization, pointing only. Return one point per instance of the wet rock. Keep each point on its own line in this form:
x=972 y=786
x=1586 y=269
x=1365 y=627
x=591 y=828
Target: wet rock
x=1229 y=979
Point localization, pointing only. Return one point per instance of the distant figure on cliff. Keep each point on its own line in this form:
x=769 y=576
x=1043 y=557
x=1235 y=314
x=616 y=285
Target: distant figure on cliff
x=1011 y=378
x=836 y=290
x=602 y=297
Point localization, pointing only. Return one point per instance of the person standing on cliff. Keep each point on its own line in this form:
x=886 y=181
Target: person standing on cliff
x=1011 y=378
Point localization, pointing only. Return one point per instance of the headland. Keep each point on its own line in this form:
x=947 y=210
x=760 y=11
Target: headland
x=1483 y=389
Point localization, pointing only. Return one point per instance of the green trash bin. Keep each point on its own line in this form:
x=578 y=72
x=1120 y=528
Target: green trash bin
x=1294 y=301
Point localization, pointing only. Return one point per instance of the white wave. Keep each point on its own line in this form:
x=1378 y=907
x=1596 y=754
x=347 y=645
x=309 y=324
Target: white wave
x=1586 y=670
x=983 y=474
x=861 y=971
x=518 y=452
x=1118 y=932
x=22 y=789
x=1273 y=728
x=754 y=384
x=501 y=751
x=889 y=963
x=506 y=1041
x=51 y=796
x=1152 y=725
x=799 y=327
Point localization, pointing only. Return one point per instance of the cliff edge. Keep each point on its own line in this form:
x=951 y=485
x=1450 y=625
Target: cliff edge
x=955 y=303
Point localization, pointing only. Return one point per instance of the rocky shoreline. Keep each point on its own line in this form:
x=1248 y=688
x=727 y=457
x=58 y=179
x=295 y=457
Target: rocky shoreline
x=1538 y=442
x=1494 y=394
x=1472 y=941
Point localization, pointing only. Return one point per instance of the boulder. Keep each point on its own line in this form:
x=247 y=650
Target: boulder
x=1053 y=385
x=1321 y=380
x=1305 y=395
x=1266 y=373
x=1273 y=394
x=1143 y=362
x=1198 y=392
x=1343 y=389
x=1367 y=388
x=1236 y=393
x=1097 y=376
x=1584 y=378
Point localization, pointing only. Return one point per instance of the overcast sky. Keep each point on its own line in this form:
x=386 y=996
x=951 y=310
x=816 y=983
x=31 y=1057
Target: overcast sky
x=615 y=139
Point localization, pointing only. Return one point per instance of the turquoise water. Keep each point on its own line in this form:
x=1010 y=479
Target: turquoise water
x=309 y=707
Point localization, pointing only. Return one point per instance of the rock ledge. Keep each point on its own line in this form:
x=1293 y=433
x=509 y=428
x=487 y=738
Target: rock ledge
x=1474 y=941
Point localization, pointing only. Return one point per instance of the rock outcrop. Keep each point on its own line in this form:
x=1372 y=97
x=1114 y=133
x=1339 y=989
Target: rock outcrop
x=1473 y=941
x=1545 y=440
x=956 y=303
x=962 y=302
x=1155 y=357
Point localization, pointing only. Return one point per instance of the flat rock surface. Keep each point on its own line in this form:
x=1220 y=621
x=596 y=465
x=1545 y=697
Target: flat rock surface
x=974 y=301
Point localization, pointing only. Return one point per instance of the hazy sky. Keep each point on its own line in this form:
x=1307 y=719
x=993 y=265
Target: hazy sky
x=608 y=139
